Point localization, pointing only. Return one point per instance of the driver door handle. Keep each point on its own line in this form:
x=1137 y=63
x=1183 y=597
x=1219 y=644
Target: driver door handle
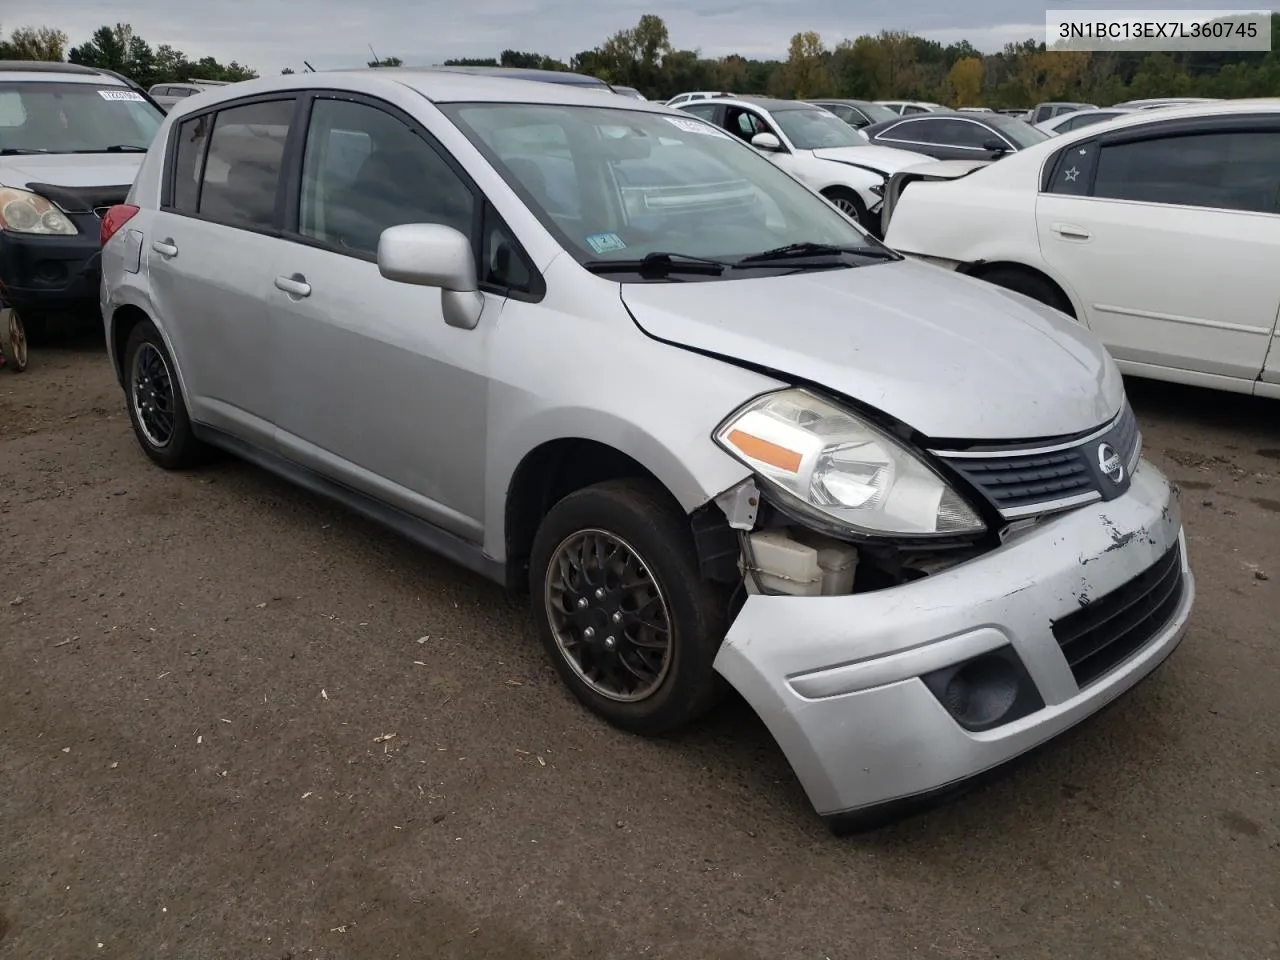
x=166 y=247
x=295 y=286
x=1071 y=231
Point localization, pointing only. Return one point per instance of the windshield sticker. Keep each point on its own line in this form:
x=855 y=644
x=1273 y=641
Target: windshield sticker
x=694 y=126
x=121 y=95
x=605 y=242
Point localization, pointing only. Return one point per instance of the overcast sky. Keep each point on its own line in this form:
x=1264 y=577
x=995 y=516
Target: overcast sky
x=270 y=34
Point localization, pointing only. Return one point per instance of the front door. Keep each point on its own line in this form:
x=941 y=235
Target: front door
x=372 y=387
x=209 y=250
x=1170 y=241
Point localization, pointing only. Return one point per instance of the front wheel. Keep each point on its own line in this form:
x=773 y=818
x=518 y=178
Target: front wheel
x=624 y=613
x=851 y=205
x=13 y=340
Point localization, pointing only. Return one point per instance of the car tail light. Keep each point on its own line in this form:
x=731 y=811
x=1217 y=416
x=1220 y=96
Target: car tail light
x=115 y=218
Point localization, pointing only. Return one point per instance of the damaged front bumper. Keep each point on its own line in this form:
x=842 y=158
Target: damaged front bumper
x=846 y=683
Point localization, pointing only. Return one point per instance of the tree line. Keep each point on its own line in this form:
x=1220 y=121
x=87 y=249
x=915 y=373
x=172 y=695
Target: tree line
x=891 y=64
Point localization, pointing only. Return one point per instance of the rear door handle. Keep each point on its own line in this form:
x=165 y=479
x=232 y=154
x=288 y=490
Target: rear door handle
x=295 y=286
x=1071 y=231
x=166 y=248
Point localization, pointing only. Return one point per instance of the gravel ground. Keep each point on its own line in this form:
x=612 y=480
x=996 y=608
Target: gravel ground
x=238 y=722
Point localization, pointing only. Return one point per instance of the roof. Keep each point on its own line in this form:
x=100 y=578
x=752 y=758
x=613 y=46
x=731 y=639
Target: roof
x=437 y=85
x=47 y=69
x=523 y=73
x=763 y=103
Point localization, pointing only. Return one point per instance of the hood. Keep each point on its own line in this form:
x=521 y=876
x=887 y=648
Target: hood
x=883 y=159
x=70 y=169
x=953 y=357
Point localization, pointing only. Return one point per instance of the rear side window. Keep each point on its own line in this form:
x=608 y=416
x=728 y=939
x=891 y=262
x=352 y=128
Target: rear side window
x=707 y=111
x=912 y=131
x=242 y=169
x=1229 y=170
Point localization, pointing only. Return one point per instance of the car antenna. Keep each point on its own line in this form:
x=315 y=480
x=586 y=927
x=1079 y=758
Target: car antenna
x=310 y=68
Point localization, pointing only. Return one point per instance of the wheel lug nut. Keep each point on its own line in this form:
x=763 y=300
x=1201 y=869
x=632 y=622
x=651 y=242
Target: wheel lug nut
x=610 y=642
x=599 y=593
x=588 y=633
x=617 y=616
x=582 y=602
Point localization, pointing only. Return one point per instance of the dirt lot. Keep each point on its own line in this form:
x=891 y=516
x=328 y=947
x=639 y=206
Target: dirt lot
x=238 y=722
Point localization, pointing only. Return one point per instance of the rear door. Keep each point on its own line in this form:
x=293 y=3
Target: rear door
x=1169 y=234
x=209 y=254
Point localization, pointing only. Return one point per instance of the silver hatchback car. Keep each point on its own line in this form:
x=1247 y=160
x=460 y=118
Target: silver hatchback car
x=608 y=354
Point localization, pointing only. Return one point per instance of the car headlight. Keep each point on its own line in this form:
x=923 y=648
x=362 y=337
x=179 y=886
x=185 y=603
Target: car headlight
x=25 y=212
x=835 y=463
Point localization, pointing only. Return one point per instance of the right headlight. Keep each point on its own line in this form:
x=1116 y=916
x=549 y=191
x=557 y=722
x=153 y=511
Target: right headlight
x=22 y=211
x=834 y=463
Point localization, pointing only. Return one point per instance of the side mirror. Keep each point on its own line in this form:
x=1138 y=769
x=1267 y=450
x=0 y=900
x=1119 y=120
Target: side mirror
x=995 y=146
x=433 y=255
x=766 y=141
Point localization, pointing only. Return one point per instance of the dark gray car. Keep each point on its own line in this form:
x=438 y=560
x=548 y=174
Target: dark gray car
x=956 y=136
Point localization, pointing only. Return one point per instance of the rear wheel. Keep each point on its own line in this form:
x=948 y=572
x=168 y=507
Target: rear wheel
x=1030 y=284
x=156 y=408
x=624 y=613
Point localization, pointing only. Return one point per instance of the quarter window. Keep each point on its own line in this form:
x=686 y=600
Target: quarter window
x=1229 y=170
x=242 y=170
x=364 y=170
x=188 y=164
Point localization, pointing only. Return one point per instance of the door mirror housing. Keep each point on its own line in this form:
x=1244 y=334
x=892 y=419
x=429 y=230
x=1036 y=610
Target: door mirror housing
x=767 y=141
x=433 y=255
x=995 y=146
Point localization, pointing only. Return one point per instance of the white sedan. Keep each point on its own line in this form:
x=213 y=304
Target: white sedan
x=814 y=146
x=1159 y=230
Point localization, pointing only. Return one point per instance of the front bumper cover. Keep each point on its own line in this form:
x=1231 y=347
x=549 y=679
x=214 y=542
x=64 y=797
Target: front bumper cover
x=837 y=679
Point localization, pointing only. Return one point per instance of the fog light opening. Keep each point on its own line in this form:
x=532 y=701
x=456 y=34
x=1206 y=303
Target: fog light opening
x=987 y=691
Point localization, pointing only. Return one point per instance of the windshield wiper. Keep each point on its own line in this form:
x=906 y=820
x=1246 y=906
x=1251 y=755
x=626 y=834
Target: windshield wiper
x=116 y=148
x=661 y=264
x=18 y=151
x=796 y=251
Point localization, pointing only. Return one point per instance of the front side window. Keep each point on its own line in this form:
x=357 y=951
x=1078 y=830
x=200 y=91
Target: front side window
x=241 y=175
x=364 y=170
x=814 y=129
x=619 y=184
x=53 y=117
x=1227 y=170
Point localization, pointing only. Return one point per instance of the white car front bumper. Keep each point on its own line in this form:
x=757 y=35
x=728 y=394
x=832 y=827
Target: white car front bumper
x=838 y=679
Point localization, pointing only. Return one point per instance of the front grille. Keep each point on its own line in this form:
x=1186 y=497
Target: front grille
x=1053 y=475
x=1100 y=636
x=1019 y=481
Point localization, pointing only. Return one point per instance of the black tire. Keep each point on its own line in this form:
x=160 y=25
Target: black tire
x=643 y=516
x=1030 y=284
x=851 y=205
x=178 y=448
x=13 y=341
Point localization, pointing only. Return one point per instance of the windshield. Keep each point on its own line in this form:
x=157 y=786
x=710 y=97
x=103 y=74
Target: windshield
x=44 y=117
x=617 y=184
x=813 y=128
x=1020 y=132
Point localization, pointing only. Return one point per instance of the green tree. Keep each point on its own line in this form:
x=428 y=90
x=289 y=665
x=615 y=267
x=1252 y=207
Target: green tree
x=806 y=73
x=964 y=82
x=34 y=43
